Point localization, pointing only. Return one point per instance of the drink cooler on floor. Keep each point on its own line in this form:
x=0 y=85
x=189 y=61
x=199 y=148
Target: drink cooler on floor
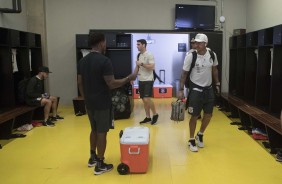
x=162 y=91
x=134 y=148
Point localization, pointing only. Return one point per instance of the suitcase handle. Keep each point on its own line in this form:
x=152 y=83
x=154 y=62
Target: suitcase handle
x=135 y=150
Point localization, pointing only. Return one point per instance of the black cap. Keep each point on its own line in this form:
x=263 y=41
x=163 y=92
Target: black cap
x=44 y=69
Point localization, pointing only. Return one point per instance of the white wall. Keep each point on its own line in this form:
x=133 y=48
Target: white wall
x=13 y=20
x=235 y=18
x=263 y=14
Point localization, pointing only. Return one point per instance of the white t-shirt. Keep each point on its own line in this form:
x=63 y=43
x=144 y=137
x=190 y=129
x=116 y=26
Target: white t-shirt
x=144 y=73
x=201 y=74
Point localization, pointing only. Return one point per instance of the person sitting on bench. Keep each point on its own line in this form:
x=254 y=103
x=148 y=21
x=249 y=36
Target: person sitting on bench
x=35 y=96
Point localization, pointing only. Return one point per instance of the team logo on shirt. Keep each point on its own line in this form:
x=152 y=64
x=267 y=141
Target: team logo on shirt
x=190 y=109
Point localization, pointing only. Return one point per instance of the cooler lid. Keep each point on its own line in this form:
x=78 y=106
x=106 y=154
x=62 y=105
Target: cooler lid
x=135 y=135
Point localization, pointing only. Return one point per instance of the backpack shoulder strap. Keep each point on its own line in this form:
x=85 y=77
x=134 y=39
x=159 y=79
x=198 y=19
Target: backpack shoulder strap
x=194 y=58
x=138 y=55
x=212 y=55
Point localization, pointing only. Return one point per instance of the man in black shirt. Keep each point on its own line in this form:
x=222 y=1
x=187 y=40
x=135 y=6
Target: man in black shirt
x=35 y=96
x=95 y=80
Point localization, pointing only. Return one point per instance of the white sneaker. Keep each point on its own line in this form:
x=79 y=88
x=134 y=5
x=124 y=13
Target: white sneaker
x=192 y=145
x=199 y=139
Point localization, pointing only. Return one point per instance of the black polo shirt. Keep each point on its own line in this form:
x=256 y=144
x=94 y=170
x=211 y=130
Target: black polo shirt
x=92 y=68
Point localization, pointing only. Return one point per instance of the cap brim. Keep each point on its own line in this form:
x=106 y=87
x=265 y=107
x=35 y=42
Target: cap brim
x=198 y=40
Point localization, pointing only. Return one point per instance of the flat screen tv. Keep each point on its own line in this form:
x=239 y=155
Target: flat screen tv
x=194 y=16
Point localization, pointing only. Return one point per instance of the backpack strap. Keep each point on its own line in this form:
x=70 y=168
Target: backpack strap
x=212 y=55
x=194 y=53
x=194 y=58
x=138 y=55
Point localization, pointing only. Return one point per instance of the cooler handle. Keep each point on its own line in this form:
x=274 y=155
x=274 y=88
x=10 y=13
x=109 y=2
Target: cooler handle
x=135 y=150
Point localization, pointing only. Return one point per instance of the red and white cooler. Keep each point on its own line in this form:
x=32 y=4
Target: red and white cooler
x=134 y=149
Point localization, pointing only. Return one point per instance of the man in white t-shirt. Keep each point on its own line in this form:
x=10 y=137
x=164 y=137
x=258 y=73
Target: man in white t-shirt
x=201 y=95
x=146 y=64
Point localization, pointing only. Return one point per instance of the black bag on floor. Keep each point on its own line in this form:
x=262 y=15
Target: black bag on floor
x=121 y=103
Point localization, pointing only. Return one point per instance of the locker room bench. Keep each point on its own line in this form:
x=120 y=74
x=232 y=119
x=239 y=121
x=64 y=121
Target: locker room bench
x=11 y=118
x=253 y=116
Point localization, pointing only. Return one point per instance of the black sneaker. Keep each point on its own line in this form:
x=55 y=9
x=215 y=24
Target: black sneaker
x=279 y=156
x=48 y=123
x=92 y=162
x=192 y=145
x=200 y=140
x=102 y=167
x=146 y=120
x=55 y=118
x=59 y=117
x=51 y=118
x=154 y=119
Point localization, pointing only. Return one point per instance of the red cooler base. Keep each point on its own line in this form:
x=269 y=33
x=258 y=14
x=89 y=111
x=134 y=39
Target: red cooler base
x=162 y=91
x=134 y=148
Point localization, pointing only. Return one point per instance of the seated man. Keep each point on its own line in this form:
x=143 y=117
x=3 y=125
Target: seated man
x=35 y=96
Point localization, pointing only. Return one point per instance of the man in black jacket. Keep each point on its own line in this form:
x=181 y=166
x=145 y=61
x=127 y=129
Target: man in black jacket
x=35 y=96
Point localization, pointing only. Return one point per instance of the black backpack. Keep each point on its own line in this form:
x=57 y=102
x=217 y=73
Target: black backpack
x=22 y=85
x=194 y=53
x=154 y=72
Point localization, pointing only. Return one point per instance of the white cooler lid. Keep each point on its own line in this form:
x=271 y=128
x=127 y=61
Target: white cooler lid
x=135 y=135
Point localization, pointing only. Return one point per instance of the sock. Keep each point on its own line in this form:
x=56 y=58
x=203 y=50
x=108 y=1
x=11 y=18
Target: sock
x=192 y=139
x=200 y=133
x=93 y=154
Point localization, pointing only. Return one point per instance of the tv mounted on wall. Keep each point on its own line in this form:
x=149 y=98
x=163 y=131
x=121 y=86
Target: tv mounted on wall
x=194 y=16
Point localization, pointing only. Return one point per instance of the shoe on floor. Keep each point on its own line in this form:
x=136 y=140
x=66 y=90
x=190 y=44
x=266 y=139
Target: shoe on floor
x=154 y=119
x=48 y=123
x=55 y=118
x=59 y=117
x=146 y=120
x=200 y=141
x=101 y=167
x=279 y=156
x=192 y=145
x=92 y=162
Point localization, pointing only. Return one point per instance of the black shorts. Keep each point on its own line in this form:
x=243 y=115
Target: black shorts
x=101 y=120
x=201 y=100
x=146 y=88
x=36 y=102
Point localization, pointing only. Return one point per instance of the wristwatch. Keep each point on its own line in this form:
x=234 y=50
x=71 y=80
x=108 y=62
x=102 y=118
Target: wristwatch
x=141 y=64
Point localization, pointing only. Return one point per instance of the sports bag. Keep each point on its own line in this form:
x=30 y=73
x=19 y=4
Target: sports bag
x=177 y=110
